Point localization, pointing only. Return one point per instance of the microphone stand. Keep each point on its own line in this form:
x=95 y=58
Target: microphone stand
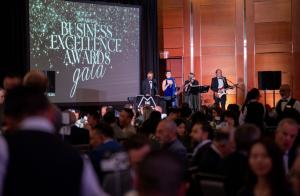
x=236 y=90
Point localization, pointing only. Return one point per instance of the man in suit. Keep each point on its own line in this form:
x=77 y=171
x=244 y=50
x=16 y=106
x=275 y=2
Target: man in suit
x=36 y=156
x=103 y=146
x=218 y=85
x=149 y=85
x=286 y=104
x=166 y=134
x=211 y=160
x=201 y=135
x=285 y=136
x=191 y=94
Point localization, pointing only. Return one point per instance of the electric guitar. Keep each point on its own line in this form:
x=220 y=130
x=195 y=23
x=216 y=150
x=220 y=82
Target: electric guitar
x=223 y=91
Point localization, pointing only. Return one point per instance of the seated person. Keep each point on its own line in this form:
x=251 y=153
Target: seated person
x=103 y=145
x=212 y=159
x=201 y=137
x=137 y=147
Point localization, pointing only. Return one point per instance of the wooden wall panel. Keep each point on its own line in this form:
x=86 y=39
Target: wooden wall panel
x=296 y=47
x=272 y=11
x=275 y=32
x=172 y=18
x=171 y=4
x=173 y=38
x=270 y=48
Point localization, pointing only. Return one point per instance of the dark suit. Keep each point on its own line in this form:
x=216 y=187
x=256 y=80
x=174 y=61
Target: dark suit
x=199 y=153
x=191 y=95
x=210 y=162
x=177 y=148
x=146 y=88
x=235 y=170
x=214 y=87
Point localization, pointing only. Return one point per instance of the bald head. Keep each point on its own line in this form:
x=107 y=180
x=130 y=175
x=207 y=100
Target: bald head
x=285 y=91
x=166 y=131
x=36 y=79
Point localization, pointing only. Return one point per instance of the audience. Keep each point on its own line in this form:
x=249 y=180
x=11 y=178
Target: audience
x=202 y=138
x=295 y=176
x=285 y=136
x=161 y=173
x=166 y=134
x=266 y=174
x=211 y=160
x=103 y=145
x=236 y=164
x=110 y=119
x=34 y=146
x=137 y=147
x=252 y=110
x=182 y=133
x=117 y=146
x=126 y=117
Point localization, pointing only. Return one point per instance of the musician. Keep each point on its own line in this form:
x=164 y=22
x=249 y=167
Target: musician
x=218 y=86
x=149 y=85
x=191 y=93
x=169 y=89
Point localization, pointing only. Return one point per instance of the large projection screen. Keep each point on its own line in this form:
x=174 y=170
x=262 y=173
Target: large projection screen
x=89 y=51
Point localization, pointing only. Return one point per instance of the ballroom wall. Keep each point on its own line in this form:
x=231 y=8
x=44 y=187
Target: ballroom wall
x=241 y=37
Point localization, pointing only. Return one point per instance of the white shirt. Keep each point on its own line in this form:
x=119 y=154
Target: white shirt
x=220 y=83
x=286 y=161
x=89 y=181
x=150 y=82
x=296 y=105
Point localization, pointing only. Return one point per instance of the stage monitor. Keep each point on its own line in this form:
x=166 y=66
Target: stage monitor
x=90 y=50
x=269 y=80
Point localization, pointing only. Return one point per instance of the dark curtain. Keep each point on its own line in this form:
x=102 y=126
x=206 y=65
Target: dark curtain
x=16 y=57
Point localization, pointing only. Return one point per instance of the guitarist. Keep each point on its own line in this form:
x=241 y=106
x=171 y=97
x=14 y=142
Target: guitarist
x=191 y=94
x=218 y=86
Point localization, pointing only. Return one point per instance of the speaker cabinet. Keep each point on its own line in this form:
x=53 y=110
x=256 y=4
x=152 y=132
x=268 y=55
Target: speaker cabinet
x=269 y=80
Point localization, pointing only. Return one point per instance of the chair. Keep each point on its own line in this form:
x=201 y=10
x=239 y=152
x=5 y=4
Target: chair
x=210 y=184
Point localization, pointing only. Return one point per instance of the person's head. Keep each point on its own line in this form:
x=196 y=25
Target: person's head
x=150 y=75
x=93 y=118
x=191 y=76
x=22 y=102
x=137 y=147
x=245 y=135
x=222 y=143
x=216 y=112
x=198 y=117
x=219 y=73
x=230 y=118
x=168 y=74
x=166 y=131
x=126 y=116
x=181 y=126
x=201 y=131
x=2 y=95
x=174 y=113
x=285 y=91
x=253 y=94
x=12 y=81
x=295 y=176
x=109 y=118
x=265 y=162
x=36 y=79
x=101 y=133
x=146 y=112
x=104 y=110
x=161 y=173
x=286 y=134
